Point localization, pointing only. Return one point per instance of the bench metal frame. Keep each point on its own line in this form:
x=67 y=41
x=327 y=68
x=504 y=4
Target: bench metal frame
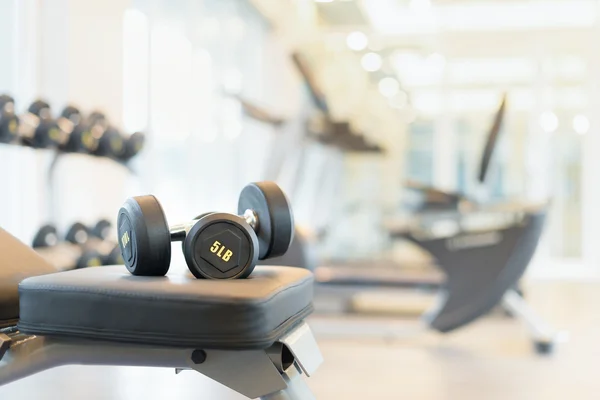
x=270 y=374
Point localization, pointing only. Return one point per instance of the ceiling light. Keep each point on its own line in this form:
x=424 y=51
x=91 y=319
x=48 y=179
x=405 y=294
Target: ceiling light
x=371 y=62
x=357 y=41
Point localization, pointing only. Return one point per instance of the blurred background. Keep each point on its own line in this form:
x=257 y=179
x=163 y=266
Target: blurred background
x=356 y=108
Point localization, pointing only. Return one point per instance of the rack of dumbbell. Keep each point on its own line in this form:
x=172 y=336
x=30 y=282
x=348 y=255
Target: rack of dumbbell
x=80 y=246
x=70 y=132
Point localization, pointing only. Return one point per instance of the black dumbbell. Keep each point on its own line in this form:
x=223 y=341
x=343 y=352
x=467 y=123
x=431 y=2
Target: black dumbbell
x=77 y=234
x=80 y=138
x=90 y=256
x=216 y=245
x=133 y=145
x=37 y=128
x=9 y=122
x=46 y=236
x=113 y=143
x=110 y=141
x=99 y=240
x=102 y=229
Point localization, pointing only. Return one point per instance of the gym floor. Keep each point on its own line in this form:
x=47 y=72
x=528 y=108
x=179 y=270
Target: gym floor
x=492 y=359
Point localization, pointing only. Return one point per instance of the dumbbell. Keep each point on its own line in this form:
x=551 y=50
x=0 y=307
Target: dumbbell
x=113 y=143
x=99 y=240
x=110 y=140
x=9 y=122
x=80 y=138
x=133 y=145
x=37 y=128
x=68 y=255
x=215 y=245
x=94 y=242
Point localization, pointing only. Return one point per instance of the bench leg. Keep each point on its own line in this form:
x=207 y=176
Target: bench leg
x=296 y=389
x=543 y=335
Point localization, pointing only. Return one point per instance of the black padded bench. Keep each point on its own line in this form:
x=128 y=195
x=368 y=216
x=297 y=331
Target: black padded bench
x=248 y=334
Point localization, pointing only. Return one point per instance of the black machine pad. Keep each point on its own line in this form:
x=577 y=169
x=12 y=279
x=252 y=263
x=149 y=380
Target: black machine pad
x=107 y=303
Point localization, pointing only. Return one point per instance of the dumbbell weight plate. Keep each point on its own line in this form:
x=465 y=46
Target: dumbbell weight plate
x=9 y=122
x=4 y=98
x=77 y=234
x=46 y=236
x=96 y=117
x=143 y=236
x=81 y=140
x=102 y=229
x=275 y=229
x=40 y=108
x=114 y=257
x=221 y=246
x=89 y=258
x=9 y=125
x=133 y=145
x=72 y=113
x=196 y=219
x=111 y=144
x=47 y=135
x=203 y=215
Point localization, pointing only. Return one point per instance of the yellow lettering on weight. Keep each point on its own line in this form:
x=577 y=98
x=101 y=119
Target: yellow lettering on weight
x=125 y=238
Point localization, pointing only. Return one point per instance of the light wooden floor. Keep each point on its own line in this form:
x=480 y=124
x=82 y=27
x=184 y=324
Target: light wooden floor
x=490 y=360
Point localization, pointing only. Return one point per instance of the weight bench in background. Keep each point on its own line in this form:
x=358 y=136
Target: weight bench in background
x=248 y=334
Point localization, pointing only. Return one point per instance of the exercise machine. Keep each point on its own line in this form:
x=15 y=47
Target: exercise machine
x=261 y=351
x=481 y=250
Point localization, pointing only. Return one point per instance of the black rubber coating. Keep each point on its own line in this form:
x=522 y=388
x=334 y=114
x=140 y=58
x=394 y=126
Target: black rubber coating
x=275 y=229
x=47 y=135
x=4 y=98
x=9 y=124
x=221 y=246
x=72 y=113
x=203 y=215
x=114 y=257
x=133 y=145
x=81 y=140
x=143 y=236
x=544 y=348
x=195 y=219
x=47 y=236
x=37 y=106
x=102 y=229
x=96 y=117
x=89 y=258
x=78 y=233
x=111 y=144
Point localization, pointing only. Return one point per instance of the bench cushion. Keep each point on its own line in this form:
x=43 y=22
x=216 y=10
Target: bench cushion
x=108 y=303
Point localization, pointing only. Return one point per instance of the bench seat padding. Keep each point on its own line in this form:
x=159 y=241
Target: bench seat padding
x=108 y=303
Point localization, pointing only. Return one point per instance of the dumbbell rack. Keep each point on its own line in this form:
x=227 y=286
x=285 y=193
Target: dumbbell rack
x=46 y=157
